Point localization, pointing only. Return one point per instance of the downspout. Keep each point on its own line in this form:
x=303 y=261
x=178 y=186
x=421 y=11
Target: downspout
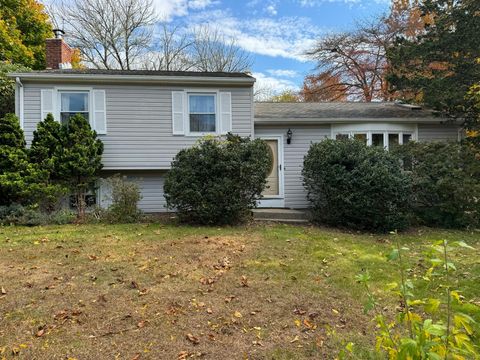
x=20 y=100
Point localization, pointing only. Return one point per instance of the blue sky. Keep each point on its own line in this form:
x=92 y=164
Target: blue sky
x=275 y=32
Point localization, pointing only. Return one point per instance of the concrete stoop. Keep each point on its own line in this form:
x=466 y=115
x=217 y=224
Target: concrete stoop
x=288 y=216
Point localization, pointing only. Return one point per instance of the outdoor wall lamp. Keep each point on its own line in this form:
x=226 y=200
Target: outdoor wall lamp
x=289 y=136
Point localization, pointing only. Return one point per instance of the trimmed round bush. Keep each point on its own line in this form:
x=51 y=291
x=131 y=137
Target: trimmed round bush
x=353 y=185
x=445 y=183
x=217 y=181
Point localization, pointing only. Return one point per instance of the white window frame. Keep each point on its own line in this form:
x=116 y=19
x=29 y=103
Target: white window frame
x=215 y=95
x=57 y=99
x=59 y=102
x=376 y=128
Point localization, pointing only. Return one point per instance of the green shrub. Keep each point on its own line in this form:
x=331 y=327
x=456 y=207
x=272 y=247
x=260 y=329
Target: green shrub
x=16 y=214
x=445 y=183
x=432 y=328
x=217 y=181
x=124 y=197
x=19 y=178
x=80 y=160
x=353 y=185
x=7 y=86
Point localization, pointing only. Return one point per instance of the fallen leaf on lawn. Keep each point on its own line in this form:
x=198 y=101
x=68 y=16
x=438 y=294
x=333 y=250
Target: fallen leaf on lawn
x=134 y=285
x=211 y=337
x=182 y=355
x=237 y=314
x=193 y=339
x=136 y=357
x=244 y=281
x=308 y=324
x=141 y=324
x=313 y=315
x=295 y=339
x=3 y=291
x=297 y=323
x=299 y=311
x=207 y=281
x=229 y=298
x=142 y=292
x=40 y=332
x=92 y=257
x=209 y=311
x=257 y=343
x=335 y=311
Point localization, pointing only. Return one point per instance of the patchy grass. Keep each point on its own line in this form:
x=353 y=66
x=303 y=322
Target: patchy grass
x=165 y=292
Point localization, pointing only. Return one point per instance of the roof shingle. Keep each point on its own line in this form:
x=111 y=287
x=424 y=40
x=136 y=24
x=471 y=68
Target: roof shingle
x=335 y=111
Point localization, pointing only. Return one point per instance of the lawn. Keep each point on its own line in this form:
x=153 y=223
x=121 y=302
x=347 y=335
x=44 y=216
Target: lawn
x=159 y=291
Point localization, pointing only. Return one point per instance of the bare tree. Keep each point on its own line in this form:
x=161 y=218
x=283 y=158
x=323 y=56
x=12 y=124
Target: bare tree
x=213 y=51
x=111 y=34
x=358 y=59
x=171 y=50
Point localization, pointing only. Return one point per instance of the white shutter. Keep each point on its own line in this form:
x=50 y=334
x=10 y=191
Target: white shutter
x=225 y=112
x=99 y=123
x=47 y=103
x=178 y=112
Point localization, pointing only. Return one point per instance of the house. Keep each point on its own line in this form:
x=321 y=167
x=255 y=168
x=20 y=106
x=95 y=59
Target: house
x=145 y=117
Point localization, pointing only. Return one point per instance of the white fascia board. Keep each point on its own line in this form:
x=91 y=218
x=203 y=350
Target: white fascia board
x=196 y=80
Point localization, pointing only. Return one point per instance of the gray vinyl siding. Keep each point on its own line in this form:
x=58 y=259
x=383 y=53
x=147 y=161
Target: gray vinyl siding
x=303 y=137
x=139 y=123
x=151 y=189
x=438 y=132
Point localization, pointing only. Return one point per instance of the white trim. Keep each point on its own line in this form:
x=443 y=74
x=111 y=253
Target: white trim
x=94 y=110
x=138 y=78
x=277 y=201
x=91 y=110
x=21 y=105
x=205 y=92
x=376 y=128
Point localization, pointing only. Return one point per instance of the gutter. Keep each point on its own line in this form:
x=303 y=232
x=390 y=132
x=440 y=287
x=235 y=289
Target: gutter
x=20 y=104
x=313 y=121
x=200 y=80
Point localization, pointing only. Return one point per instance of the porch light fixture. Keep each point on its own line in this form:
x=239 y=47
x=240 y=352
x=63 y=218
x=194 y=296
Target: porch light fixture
x=289 y=136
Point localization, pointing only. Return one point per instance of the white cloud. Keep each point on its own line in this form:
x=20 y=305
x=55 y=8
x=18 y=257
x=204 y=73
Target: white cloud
x=267 y=86
x=271 y=9
x=283 y=73
x=168 y=9
x=287 y=37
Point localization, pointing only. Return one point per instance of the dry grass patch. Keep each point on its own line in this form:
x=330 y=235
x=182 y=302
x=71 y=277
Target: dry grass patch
x=165 y=292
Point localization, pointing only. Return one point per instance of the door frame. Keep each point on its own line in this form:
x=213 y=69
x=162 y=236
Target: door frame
x=275 y=201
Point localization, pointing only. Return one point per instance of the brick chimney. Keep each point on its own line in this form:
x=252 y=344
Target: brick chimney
x=58 y=53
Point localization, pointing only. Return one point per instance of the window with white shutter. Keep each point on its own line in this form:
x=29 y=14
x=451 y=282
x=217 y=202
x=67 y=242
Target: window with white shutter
x=47 y=103
x=178 y=112
x=225 y=112
x=99 y=111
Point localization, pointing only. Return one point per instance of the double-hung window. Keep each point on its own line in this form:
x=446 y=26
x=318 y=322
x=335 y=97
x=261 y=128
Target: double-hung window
x=72 y=103
x=202 y=114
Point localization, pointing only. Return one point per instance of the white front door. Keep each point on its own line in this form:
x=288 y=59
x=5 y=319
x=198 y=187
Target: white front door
x=273 y=193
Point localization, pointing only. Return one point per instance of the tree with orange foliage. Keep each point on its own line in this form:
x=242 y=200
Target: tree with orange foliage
x=323 y=87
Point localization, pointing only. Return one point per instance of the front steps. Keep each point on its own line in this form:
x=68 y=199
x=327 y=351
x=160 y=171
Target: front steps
x=288 y=216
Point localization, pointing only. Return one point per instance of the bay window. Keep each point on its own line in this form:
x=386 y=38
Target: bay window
x=374 y=134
